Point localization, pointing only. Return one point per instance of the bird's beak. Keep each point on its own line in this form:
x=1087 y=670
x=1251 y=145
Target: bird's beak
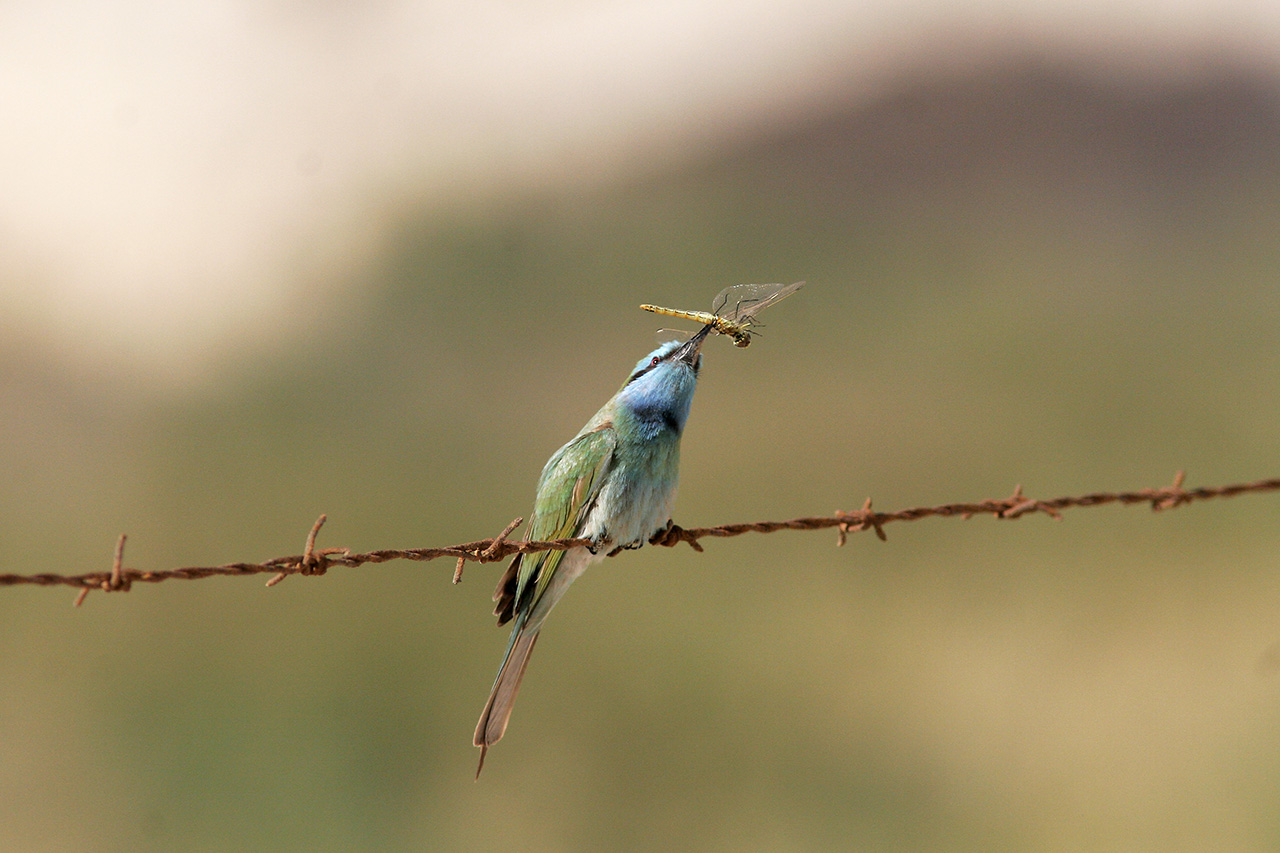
x=688 y=352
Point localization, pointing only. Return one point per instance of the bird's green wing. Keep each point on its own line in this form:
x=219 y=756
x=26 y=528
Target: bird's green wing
x=568 y=489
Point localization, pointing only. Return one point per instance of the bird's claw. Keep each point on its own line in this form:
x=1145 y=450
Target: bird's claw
x=601 y=541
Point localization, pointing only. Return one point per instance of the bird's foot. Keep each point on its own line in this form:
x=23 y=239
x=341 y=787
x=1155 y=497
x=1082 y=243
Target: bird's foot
x=598 y=542
x=630 y=546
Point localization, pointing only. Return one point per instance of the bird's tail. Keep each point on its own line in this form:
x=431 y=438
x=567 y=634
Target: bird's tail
x=497 y=711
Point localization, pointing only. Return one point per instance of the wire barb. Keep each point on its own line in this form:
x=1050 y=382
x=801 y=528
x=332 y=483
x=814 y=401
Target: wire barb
x=317 y=562
x=115 y=582
x=312 y=562
x=490 y=553
x=672 y=535
x=856 y=522
x=1172 y=496
x=1018 y=505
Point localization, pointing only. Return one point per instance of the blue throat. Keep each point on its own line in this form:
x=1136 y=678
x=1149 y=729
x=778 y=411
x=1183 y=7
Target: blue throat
x=659 y=404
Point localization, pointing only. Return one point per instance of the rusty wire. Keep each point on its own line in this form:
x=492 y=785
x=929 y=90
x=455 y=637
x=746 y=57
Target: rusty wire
x=315 y=561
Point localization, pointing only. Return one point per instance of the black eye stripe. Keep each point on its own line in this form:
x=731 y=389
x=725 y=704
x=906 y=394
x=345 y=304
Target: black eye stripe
x=653 y=362
x=639 y=373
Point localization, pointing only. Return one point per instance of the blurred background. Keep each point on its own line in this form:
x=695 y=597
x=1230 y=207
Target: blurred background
x=262 y=261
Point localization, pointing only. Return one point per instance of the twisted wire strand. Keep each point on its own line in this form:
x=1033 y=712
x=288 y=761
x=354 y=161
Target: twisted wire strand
x=314 y=561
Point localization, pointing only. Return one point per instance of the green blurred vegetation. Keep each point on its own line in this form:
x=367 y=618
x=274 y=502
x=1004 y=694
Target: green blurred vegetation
x=1020 y=275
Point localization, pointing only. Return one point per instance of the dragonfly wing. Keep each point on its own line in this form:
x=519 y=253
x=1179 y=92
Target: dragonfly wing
x=740 y=303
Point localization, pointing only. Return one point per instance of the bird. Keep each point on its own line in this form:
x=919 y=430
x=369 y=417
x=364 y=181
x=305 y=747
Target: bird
x=614 y=483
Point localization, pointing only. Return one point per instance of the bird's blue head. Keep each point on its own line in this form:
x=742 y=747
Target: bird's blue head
x=660 y=390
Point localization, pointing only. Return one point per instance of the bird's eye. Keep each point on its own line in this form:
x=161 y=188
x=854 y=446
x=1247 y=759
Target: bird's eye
x=654 y=362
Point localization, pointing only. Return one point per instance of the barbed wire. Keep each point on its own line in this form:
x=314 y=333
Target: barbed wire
x=315 y=561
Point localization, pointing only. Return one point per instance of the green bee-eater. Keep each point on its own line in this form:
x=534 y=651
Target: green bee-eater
x=615 y=484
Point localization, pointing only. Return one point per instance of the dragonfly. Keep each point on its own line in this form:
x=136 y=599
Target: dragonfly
x=734 y=309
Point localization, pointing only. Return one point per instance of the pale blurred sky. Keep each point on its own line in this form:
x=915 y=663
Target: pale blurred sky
x=170 y=174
